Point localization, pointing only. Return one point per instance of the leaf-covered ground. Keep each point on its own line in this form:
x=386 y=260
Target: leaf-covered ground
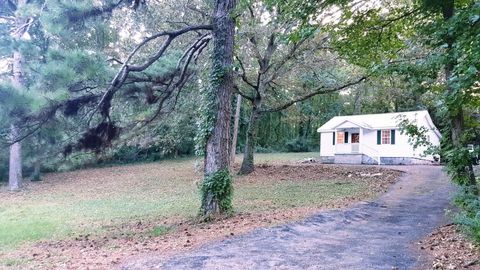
x=96 y=218
x=449 y=249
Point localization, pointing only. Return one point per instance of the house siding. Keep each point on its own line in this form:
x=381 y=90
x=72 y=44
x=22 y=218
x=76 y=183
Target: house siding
x=398 y=151
x=327 y=149
x=401 y=148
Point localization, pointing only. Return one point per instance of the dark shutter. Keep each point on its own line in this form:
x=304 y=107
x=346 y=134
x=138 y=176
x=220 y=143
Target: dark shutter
x=333 y=136
x=346 y=137
x=379 y=137
x=392 y=136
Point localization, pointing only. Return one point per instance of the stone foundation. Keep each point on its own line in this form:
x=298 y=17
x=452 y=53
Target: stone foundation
x=327 y=160
x=348 y=158
x=364 y=159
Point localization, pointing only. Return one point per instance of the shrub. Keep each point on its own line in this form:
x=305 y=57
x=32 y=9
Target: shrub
x=261 y=149
x=298 y=145
x=469 y=216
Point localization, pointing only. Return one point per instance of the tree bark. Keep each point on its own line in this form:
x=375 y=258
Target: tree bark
x=217 y=149
x=236 y=121
x=37 y=165
x=15 y=164
x=15 y=159
x=18 y=80
x=357 y=104
x=248 y=164
x=457 y=121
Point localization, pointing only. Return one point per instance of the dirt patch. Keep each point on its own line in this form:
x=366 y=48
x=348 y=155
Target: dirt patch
x=308 y=172
x=168 y=236
x=447 y=248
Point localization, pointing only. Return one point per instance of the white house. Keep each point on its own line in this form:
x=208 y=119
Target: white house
x=374 y=139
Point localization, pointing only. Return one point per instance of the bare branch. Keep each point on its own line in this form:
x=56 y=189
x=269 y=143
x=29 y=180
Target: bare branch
x=237 y=91
x=112 y=59
x=319 y=91
x=197 y=10
x=244 y=74
x=124 y=71
x=8 y=18
x=291 y=54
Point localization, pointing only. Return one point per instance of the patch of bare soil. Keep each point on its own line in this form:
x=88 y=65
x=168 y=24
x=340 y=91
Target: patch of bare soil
x=309 y=172
x=130 y=243
x=448 y=249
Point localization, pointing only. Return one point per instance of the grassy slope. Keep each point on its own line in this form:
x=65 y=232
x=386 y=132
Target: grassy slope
x=89 y=201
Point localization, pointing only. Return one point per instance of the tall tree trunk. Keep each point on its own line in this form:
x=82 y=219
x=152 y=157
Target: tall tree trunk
x=248 y=164
x=235 y=129
x=37 y=165
x=217 y=149
x=15 y=165
x=357 y=104
x=18 y=80
x=456 y=114
x=307 y=127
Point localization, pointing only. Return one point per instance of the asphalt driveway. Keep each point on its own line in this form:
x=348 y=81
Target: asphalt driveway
x=372 y=235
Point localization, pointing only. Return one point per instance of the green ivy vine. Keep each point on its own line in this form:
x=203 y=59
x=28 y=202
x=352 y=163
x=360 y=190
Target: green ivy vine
x=217 y=188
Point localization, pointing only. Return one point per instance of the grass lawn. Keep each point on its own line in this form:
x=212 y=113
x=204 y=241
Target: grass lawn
x=86 y=200
x=93 y=201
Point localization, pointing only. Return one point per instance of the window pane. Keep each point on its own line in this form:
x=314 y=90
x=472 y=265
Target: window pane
x=340 y=137
x=385 y=136
x=355 y=138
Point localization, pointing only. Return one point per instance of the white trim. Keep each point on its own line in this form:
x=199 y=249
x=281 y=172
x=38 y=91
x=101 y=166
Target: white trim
x=355 y=123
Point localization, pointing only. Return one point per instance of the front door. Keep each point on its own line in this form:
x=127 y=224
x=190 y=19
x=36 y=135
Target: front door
x=355 y=137
x=355 y=142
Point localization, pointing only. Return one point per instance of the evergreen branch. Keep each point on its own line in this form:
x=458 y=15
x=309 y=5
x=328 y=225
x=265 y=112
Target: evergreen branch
x=124 y=71
x=75 y=16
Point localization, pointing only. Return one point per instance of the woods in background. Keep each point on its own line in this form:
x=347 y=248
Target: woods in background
x=129 y=80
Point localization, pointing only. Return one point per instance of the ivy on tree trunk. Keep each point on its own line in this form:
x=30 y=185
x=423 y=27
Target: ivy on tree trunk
x=217 y=156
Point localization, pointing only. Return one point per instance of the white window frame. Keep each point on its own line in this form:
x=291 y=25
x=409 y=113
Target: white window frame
x=387 y=136
x=343 y=137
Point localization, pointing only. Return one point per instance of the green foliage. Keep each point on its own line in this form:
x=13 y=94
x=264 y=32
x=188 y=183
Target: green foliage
x=298 y=145
x=296 y=126
x=469 y=217
x=373 y=38
x=458 y=159
x=205 y=119
x=421 y=44
x=218 y=187
x=70 y=71
x=417 y=135
x=126 y=154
